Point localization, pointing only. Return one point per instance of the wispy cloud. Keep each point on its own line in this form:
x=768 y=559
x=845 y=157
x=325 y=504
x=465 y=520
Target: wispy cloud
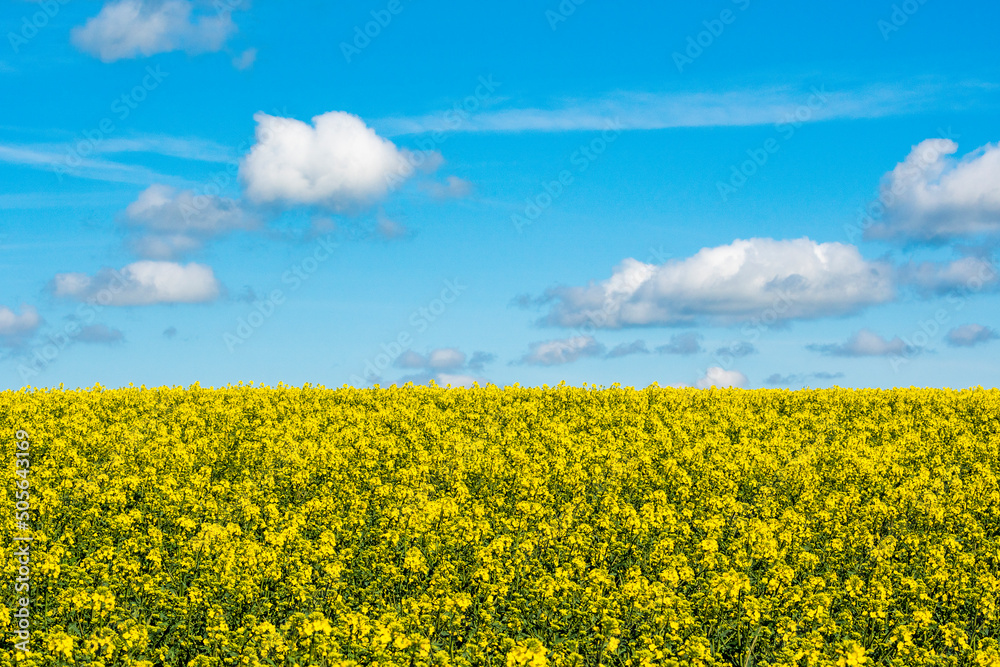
x=662 y=110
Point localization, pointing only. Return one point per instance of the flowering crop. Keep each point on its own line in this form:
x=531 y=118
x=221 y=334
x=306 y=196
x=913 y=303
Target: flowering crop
x=521 y=526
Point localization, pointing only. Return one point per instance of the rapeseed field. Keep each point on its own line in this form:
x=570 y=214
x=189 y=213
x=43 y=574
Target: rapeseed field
x=520 y=526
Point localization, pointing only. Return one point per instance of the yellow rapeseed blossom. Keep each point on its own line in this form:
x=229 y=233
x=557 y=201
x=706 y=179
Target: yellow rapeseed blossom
x=421 y=526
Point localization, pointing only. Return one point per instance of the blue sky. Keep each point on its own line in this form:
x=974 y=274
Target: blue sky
x=379 y=192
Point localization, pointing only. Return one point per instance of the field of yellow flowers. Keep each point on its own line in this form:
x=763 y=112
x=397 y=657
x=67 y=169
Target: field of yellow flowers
x=518 y=526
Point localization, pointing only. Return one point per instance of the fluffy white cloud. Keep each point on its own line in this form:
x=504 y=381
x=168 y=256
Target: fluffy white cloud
x=174 y=222
x=748 y=280
x=132 y=28
x=719 y=377
x=933 y=197
x=865 y=343
x=562 y=351
x=141 y=284
x=338 y=162
x=971 y=334
x=12 y=324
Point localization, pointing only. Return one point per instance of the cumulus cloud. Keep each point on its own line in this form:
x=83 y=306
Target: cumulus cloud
x=445 y=358
x=561 y=351
x=338 y=162
x=14 y=327
x=141 y=283
x=174 y=222
x=969 y=335
x=719 y=377
x=865 y=343
x=933 y=197
x=133 y=28
x=683 y=343
x=800 y=378
x=758 y=279
x=625 y=349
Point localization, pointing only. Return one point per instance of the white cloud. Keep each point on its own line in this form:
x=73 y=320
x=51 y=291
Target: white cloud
x=969 y=335
x=933 y=197
x=642 y=110
x=133 y=28
x=562 y=351
x=718 y=377
x=865 y=343
x=13 y=325
x=748 y=280
x=179 y=221
x=140 y=284
x=338 y=162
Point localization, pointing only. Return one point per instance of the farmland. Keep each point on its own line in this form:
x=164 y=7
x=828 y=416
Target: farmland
x=519 y=526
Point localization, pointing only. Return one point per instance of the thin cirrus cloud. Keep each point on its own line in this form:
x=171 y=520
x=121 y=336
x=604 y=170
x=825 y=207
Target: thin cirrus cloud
x=865 y=343
x=725 y=285
x=631 y=110
x=337 y=162
x=142 y=283
x=561 y=351
x=932 y=197
x=969 y=335
x=173 y=222
x=133 y=28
